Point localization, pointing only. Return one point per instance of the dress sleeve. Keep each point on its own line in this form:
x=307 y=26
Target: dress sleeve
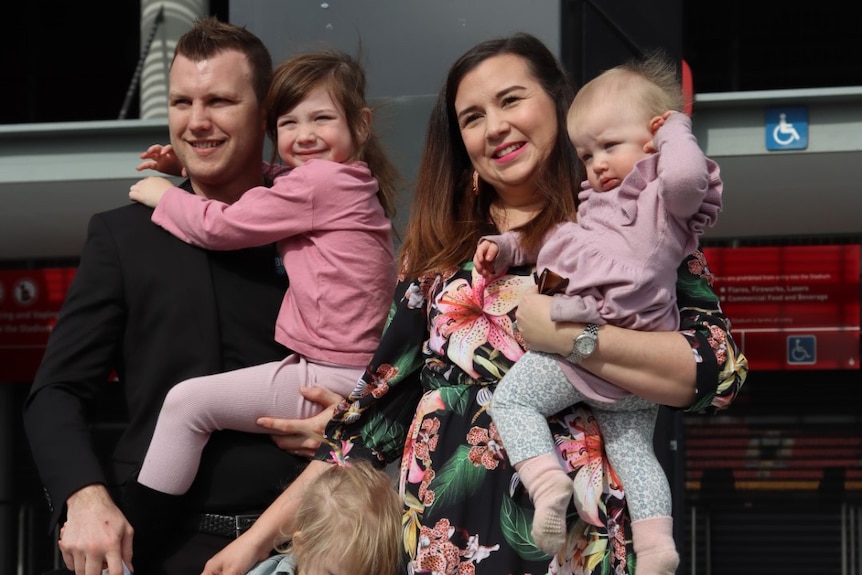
x=721 y=366
x=373 y=422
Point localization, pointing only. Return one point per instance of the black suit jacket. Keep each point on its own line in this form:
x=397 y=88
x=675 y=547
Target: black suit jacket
x=143 y=304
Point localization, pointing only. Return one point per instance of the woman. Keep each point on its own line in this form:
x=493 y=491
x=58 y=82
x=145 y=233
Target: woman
x=497 y=158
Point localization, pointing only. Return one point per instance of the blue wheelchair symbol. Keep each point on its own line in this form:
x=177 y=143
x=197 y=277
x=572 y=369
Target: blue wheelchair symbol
x=802 y=349
x=787 y=128
x=784 y=133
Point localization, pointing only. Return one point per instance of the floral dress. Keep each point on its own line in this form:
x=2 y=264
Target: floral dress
x=424 y=400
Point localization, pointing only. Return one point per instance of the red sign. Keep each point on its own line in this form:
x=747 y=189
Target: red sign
x=29 y=303
x=792 y=307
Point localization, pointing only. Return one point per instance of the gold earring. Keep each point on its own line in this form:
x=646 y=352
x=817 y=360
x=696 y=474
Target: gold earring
x=475 y=182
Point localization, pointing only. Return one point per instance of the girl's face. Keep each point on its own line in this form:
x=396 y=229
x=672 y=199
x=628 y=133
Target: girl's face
x=508 y=123
x=315 y=129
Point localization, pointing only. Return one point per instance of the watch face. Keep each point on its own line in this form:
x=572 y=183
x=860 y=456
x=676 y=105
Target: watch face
x=586 y=345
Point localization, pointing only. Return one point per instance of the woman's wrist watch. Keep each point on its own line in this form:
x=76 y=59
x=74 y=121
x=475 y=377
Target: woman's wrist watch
x=585 y=344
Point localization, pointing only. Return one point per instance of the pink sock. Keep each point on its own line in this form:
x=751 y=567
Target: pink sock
x=655 y=551
x=551 y=490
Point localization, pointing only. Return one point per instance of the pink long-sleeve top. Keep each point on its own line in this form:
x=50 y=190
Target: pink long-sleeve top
x=334 y=239
x=622 y=254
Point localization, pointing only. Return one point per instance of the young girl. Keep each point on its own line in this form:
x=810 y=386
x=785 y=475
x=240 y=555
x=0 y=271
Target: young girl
x=348 y=522
x=329 y=212
x=650 y=193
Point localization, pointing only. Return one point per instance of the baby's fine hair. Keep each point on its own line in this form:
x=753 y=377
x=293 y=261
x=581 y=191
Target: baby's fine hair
x=651 y=82
x=351 y=514
x=295 y=78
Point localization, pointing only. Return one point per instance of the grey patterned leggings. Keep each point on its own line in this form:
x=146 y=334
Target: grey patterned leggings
x=536 y=387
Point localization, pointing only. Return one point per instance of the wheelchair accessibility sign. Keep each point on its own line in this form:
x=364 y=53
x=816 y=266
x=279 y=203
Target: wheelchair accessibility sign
x=802 y=349
x=787 y=128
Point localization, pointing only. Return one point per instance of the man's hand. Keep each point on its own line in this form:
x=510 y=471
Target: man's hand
x=162 y=159
x=149 y=191
x=296 y=436
x=96 y=534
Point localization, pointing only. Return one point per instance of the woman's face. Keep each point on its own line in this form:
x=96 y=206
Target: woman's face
x=508 y=123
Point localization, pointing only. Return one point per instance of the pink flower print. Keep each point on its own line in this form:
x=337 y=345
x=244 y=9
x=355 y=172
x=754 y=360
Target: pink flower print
x=698 y=267
x=617 y=535
x=486 y=447
x=718 y=342
x=382 y=376
x=436 y=553
x=379 y=384
x=472 y=315
x=475 y=552
x=419 y=444
x=427 y=440
x=339 y=452
x=427 y=496
x=584 y=454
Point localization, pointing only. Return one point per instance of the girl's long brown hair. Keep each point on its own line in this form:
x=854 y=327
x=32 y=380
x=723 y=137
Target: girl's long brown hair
x=344 y=78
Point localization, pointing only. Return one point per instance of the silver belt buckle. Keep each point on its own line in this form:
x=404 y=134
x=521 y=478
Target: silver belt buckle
x=243 y=522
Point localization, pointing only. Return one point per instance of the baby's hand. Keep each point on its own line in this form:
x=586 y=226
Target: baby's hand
x=654 y=125
x=149 y=191
x=483 y=259
x=162 y=159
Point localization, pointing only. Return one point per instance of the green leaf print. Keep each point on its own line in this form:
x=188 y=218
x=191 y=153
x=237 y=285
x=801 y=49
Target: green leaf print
x=456 y=398
x=515 y=523
x=458 y=479
x=383 y=434
x=697 y=289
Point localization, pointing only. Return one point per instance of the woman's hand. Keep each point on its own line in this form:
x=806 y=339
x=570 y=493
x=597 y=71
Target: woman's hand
x=298 y=436
x=657 y=366
x=534 y=322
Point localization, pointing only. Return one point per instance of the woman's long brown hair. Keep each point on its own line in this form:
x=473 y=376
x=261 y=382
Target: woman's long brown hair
x=447 y=218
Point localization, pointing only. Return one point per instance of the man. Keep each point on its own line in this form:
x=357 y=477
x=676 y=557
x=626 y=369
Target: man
x=156 y=311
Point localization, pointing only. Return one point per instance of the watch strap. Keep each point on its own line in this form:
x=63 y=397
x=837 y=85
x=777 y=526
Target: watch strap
x=591 y=331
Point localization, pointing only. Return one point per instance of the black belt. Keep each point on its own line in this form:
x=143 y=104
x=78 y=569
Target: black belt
x=231 y=526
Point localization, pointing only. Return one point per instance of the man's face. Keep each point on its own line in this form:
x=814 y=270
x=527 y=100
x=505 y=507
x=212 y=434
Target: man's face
x=216 y=122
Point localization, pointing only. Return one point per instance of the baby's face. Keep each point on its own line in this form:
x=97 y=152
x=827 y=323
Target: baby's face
x=609 y=139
